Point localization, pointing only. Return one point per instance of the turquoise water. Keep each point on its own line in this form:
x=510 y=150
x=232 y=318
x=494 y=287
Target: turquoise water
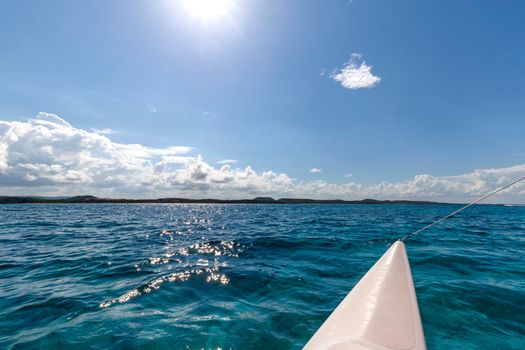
x=247 y=276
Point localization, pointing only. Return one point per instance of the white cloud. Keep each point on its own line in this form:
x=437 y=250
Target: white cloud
x=227 y=161
x=355 y=74
x=315 y=170
x=48 y=156
x=349 y=175
x=105 y=131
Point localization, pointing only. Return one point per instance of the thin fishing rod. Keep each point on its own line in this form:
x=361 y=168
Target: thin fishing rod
x=461 y=209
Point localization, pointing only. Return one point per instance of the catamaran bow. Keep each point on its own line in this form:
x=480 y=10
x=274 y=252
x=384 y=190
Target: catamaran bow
x=380 y=313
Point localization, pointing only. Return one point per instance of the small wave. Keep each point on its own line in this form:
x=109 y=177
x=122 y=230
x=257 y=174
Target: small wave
x=213 y=275
x=217 y=248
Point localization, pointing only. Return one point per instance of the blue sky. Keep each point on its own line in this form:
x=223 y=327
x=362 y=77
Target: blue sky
x=256 y=84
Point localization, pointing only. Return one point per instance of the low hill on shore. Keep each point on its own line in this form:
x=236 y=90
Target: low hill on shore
x=257 y=200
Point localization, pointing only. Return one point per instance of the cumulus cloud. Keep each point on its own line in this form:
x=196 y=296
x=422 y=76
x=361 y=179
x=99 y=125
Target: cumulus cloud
x=315 y=170
x=48 y=156
x=355 y=74
x=227 y=161
x=349 y=175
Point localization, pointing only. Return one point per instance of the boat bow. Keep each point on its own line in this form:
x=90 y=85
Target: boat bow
x=380 y=313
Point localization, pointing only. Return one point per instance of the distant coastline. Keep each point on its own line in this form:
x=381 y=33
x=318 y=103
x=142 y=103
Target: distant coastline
x=257 y=200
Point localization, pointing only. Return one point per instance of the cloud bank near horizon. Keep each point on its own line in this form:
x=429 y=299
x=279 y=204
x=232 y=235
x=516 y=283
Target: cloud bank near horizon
x=48 y=156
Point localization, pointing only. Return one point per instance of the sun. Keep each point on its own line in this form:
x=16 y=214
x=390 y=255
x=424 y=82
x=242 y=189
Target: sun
x=207 y=9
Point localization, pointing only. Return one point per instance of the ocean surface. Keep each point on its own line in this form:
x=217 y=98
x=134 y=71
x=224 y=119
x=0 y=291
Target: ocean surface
x=102 y=276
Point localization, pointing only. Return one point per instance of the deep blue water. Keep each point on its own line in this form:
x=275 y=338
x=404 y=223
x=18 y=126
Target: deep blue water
x=247 y=276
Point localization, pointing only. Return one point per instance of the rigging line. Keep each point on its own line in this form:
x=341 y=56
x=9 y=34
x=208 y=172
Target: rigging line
x=462 y=208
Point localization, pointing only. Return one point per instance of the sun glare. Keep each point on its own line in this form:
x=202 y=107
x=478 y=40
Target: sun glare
x=207 y=9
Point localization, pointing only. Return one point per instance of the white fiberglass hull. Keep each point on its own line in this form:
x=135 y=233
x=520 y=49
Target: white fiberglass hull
x=380 y=313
